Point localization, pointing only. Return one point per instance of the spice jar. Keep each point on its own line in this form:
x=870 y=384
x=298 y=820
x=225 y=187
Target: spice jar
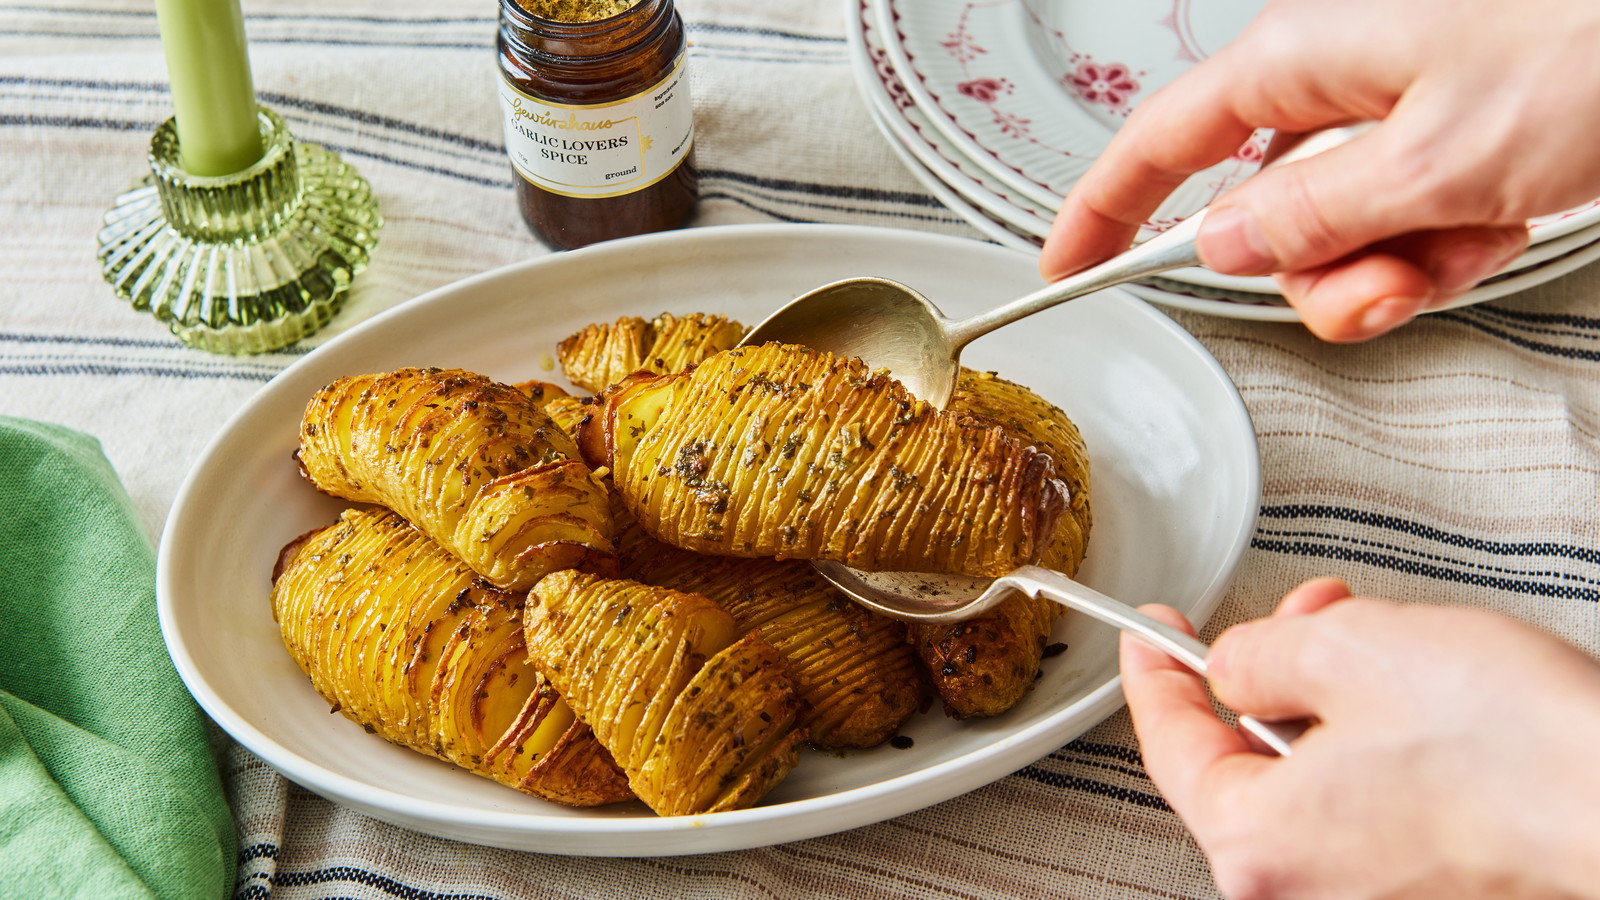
x=598 y=121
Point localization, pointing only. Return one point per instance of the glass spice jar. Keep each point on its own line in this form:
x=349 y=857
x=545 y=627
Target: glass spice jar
x=598 y=121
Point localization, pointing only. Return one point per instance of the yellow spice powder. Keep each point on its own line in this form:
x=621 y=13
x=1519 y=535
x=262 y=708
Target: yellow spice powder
x=575 y=11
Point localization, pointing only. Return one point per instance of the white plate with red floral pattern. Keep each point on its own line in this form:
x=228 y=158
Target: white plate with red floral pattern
x=1543 y=262
x=903 y=121
x=1030 y=91
x=1033 y=95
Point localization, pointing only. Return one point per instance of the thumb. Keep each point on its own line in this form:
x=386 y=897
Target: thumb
x=1313 y=211
x=1283 y=667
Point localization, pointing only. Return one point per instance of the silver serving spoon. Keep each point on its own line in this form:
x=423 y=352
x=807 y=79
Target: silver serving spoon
x=890 y=325
x=916 y=597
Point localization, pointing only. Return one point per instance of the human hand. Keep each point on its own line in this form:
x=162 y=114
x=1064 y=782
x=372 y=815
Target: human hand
x=1452 y=755
x=1488 y=114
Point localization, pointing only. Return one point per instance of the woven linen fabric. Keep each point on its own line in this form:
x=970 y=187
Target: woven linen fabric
x=108 y=785
x=1452 y=462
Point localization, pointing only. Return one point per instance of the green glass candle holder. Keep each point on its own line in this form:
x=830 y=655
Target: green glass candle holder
x=241 y=263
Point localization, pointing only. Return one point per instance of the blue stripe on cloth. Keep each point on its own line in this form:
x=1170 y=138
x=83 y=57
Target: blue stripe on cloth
x=402 y=21
x=1109 y=751
x=813 y=189
x=148 y=343
x=1100 y=789
x=1412 y=561
x=150 y=369
x=352 y=875
x=1062 y=756
x=1425 y=570
x=1538 y=318
x=1124 y=760
x=814 y=48
x=1431 y=557
x=257 y=851
x=1525 y=343
x=783 y=217
x=1407 y=526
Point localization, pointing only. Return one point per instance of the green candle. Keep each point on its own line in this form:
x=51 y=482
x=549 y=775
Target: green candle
x=214 y=99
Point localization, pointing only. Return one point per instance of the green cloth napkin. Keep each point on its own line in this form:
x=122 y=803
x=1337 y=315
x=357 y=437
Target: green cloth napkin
x=108 y=785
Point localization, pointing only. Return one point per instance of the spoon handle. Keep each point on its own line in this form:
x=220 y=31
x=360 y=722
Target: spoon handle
x=1039 y=582
x=1171 y=249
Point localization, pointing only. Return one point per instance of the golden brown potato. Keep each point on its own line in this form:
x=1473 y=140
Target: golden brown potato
x=783 y=451
x=700 y=718
x=403 y=639
x=568 y=411
x=542 y=394
x=983 y=666
x=601 y=355
x=474 y=464
x=1034 y=420
x=855 y=669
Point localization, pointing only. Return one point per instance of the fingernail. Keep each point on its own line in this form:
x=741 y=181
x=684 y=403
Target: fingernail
x=1390 y=313
x=1231 y=241
x=1465 y=266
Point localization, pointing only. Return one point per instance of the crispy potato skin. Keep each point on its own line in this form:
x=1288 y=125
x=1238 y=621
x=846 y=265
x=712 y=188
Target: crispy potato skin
x=601 y=354
x=855 y=669
x=474 y=464
x=542 y=394
x=701 y=719
x=983 y=666
x=783 y=451
x=403 y=639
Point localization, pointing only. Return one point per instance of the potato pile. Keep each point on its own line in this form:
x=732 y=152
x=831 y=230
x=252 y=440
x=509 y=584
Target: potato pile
x=592 y=600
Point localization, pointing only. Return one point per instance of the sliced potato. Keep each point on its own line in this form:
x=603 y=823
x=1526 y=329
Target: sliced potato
x=783 y=451
x=983 y=666
x=542 y=393
x=474 y=464
x=978 y=668
x=403 y=639
x=700 y=718
x=601 y=355
x=855 y=669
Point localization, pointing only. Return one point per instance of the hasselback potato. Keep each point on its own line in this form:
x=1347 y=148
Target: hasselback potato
x=855 y=669
x=779 y=450
x=402 y=638
x=700 y=718
x=983 y=666
x=1031 y=419
x=601 y=355
x=472 y=463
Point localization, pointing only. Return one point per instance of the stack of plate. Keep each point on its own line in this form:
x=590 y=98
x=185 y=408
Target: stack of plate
x=999 y=106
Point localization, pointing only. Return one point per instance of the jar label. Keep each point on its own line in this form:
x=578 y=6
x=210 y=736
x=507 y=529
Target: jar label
x=601 y=150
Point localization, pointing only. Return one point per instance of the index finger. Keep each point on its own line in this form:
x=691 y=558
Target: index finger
x=1138 y=169
x=1272 y=76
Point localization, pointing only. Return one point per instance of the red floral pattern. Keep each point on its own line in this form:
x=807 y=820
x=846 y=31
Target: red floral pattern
x=1108 y=84
x=984 y=90
x=1251 y=151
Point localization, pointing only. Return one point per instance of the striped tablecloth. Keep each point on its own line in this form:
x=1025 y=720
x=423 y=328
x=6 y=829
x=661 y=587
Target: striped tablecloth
x=1456 y=461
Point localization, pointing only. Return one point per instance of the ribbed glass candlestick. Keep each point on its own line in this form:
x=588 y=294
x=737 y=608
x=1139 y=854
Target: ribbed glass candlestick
x=241 y=263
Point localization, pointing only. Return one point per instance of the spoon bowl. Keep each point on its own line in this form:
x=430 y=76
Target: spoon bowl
x=932 y=599
x=879 y=320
